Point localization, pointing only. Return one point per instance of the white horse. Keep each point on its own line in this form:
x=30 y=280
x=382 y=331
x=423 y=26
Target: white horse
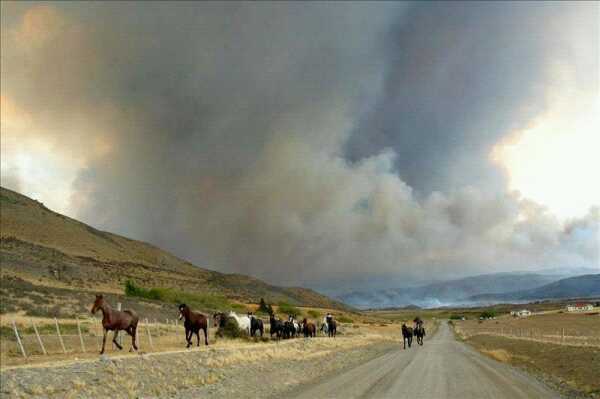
x=325 y=326
x=243 y=322
x=297 y=326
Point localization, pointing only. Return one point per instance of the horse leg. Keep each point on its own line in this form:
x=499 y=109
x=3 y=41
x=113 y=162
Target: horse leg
x=115 y=340
x=188 y=337
x=104 y=341
x=133 y=336
x=131 y=331
x=205 y=329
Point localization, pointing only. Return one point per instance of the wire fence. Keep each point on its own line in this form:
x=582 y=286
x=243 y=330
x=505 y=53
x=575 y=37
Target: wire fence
x=85 y=336
x=561 y=336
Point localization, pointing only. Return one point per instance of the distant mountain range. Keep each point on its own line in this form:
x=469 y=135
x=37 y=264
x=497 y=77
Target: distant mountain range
x=482 y=289
x=581 y=286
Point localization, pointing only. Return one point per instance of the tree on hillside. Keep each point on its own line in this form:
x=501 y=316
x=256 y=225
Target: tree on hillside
x=263 y=306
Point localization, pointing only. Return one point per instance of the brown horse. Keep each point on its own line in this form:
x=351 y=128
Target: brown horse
x=310 y=330
x=194 y=322
x=116 y=320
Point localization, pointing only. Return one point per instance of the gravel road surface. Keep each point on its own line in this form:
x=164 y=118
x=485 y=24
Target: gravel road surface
x=442 y=368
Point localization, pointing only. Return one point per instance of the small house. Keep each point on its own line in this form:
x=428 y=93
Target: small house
x=520 y=313
x=580 y=307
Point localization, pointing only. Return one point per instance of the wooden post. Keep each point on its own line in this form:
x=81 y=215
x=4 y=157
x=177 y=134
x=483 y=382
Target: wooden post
x=62 y=344
x=37 y=335
x=120 y=338
x=19 y=340
x=80 y=336
x=149 y=335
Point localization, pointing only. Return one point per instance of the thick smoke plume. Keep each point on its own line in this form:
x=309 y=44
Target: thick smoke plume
x=297 y=142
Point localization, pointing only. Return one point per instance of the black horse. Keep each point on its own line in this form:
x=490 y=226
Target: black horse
x=407 y=335
x=419 y=333
x=331 y=328
x=276 y=326
x=289 y=331
x=255 y=325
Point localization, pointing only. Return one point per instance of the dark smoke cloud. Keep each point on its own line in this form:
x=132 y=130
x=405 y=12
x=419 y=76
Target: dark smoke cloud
x=277 y=139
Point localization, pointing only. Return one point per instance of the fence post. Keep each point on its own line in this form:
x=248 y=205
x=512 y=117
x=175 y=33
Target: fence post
x=80 y=336
x=37 y=335
x=59 y=336
x=149 y=335
x=19 y=340
x=120 y=338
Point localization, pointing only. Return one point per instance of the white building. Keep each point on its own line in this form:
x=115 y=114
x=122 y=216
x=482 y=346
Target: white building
x=580 y=307
x=521 y=313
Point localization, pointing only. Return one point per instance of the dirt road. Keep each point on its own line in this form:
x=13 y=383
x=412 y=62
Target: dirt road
x=442 y=368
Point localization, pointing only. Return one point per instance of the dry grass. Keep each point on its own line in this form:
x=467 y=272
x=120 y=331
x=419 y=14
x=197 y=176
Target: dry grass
x=570 y=329
x=500 y=355
x=572 y=370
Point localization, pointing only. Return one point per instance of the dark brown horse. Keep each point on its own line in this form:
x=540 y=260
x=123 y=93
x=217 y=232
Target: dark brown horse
x=407 y=335
x=419 y=333
x=256 y=324
x=194 y=322
x=310 y=330
x=116 y=320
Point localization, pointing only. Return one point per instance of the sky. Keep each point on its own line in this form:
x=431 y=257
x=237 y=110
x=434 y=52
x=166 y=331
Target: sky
x=314 y=143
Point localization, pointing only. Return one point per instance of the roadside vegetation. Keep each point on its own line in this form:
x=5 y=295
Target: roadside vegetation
x=207 y=302
x=286 y=308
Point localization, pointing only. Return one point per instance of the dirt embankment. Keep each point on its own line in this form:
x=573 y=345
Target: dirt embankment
x=206 y=372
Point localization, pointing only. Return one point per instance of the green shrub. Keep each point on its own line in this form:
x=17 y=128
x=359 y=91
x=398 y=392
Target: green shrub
x=345 y=319
x=231 y=330
x=488 y=314
x=455 y=317
x=207 y=301
x=288 y=309
x=314 y=314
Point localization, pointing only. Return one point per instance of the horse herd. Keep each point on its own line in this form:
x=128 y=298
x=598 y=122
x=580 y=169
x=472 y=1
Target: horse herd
x=127 y=320
x=408 y=332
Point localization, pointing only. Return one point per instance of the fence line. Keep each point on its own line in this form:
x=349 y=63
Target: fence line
x=86 y=332
x=560 y=337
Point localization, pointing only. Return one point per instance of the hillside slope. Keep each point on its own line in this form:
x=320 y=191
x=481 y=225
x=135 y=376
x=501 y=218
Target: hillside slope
x=451 y=292
x=46 y=248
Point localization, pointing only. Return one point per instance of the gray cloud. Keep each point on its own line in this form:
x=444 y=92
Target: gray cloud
x=260 y=138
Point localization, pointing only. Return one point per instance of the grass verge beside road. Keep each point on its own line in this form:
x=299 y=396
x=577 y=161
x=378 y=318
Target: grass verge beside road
x=574 y=371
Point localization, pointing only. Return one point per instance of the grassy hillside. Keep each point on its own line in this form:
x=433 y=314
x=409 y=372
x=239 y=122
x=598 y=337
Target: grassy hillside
x=48 y=249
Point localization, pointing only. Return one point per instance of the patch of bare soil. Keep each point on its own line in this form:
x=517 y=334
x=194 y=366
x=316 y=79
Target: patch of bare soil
x=574 y=371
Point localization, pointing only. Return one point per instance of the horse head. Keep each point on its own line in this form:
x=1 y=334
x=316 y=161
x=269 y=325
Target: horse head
x=184 y=311
x=98 y=303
